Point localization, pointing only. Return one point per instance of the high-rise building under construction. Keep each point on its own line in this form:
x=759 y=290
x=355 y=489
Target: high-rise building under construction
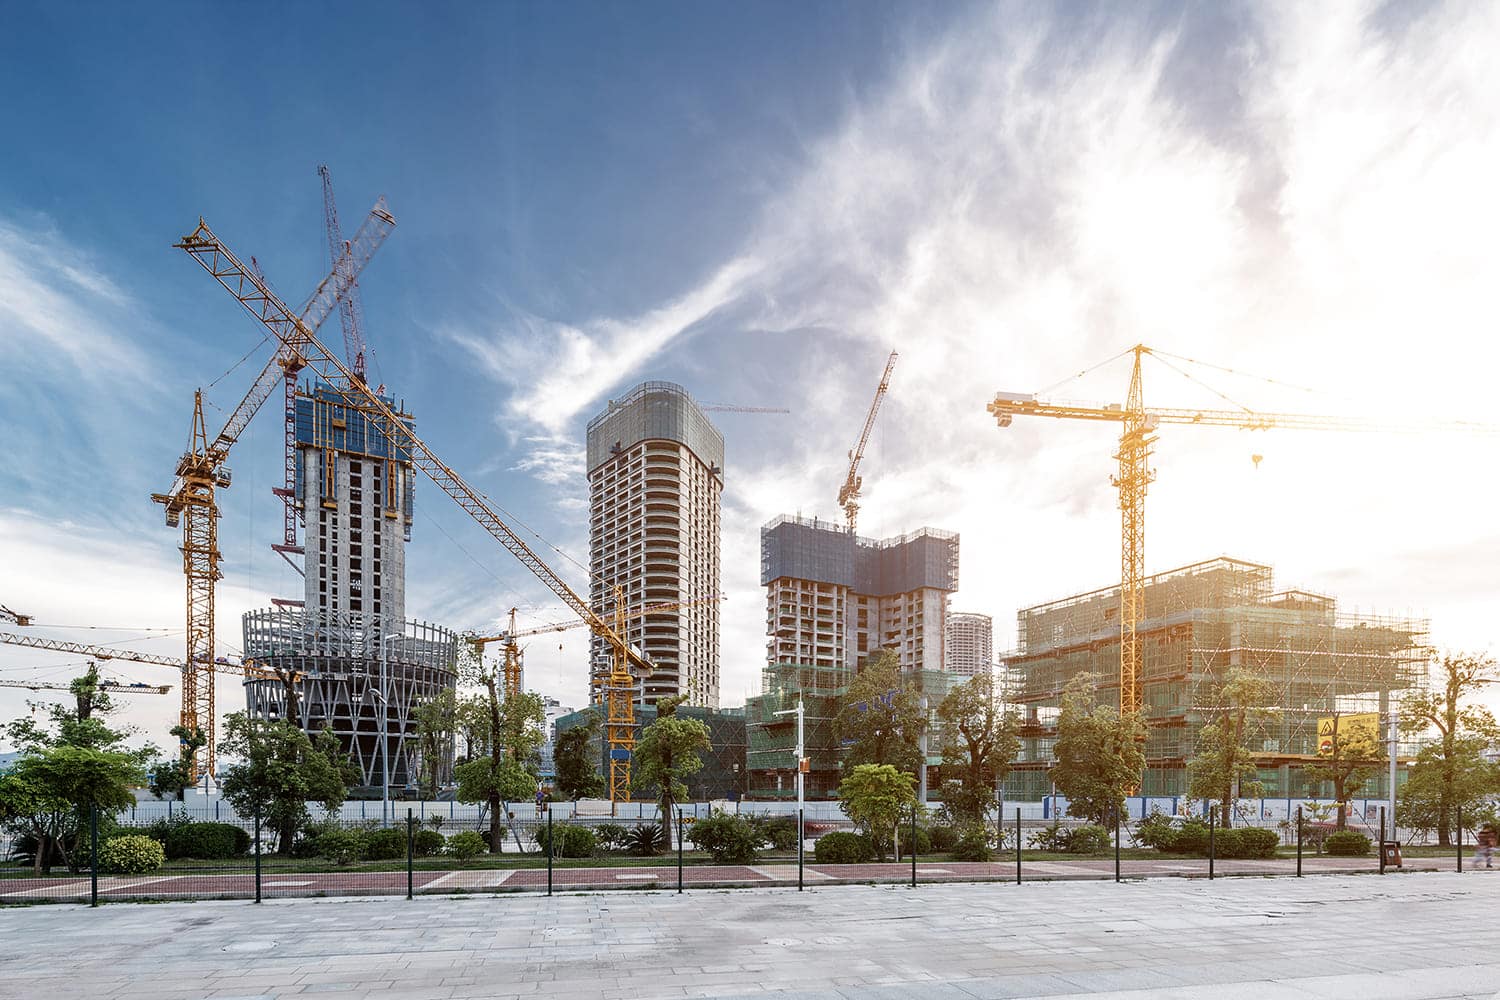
x=655 y=467
x=362 y=668
x=1201 y=621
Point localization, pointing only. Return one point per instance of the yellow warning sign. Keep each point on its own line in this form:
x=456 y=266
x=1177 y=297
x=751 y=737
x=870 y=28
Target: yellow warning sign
x=1344 y=729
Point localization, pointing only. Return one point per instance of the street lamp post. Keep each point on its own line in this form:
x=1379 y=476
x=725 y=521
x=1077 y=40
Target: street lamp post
x=801 y=751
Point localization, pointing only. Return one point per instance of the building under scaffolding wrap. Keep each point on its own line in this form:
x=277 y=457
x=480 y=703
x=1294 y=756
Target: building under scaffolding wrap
x=1198 y=622
x=723 y=773
x=359 y=680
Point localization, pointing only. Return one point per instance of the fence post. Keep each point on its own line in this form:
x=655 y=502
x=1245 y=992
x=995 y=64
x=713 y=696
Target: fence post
x=913 y=847
x=257 y=852
x=409 y=847
x=679 y=847
x=550 y=847
x=801 y=835
x=1018 y=845
x=93 y=854
x=1212 y=813
x=1299 y=841
x=1382 y=840
x=1117 y=843
x=1458 y=836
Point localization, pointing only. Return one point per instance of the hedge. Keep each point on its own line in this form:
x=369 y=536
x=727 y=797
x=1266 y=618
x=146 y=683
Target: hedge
x=131 y=855
x=1347 y=844
x=466 y=844
x=205 y=841
x=843 y=848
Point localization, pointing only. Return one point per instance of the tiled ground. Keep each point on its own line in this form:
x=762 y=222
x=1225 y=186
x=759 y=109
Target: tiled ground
x=1364 y=937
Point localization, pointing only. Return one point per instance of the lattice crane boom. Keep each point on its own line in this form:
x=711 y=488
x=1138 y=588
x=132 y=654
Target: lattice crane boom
x=1138 y=425
x=109 y=687
x=853 y=481
x=351 y=316
x=299 y=338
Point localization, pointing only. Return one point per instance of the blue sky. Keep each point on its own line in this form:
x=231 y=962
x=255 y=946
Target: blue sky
x=760 y=202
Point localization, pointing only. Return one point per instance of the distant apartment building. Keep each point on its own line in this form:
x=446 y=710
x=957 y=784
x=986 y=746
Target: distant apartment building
x=553 y=710
x=656 y=471
x=971 y=647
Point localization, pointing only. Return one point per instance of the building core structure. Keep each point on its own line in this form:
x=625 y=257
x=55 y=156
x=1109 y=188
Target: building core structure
x=363 y=667
x=970 y=646
x=655 y=466
x=1200 y=622
x=833 y=599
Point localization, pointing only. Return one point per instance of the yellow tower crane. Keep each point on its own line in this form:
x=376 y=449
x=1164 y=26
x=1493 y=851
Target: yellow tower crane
x=301 y=345
x=1137 y=436
x=853 y=481
x=202 y=469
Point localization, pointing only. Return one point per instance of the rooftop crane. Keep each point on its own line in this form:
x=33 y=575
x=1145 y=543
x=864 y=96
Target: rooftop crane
x=14 y=617
x=300 y=340
x=202 y=469
x=351 y=316
x=849 y=492
x=1138 y=427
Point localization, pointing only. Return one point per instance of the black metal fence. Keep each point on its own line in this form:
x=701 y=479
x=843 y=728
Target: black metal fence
x=204 y=860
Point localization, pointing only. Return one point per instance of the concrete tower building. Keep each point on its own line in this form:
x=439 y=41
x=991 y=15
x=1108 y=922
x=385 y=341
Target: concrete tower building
x=971 y=648
x=364 y=667
x=656 y=472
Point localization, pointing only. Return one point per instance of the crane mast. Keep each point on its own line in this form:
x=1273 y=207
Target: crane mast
x=351 y=316
x=853 y=481
x=301 y=342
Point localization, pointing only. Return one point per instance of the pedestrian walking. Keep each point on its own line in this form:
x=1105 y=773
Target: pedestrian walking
x=1484 y=845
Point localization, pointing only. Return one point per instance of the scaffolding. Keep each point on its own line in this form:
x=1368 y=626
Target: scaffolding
x=1199 y=622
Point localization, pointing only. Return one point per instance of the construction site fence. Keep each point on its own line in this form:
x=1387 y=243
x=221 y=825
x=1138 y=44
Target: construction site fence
x=362 y=858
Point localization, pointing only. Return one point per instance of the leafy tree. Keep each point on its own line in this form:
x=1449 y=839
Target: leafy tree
x=505 y=745
x=877 y=797
x=437 y=729
x=1450 y=773
x=1224 y=767
x=173 y=777
x=574 y=758
x=670 y=749
x=979 y=743
x=280 y=770
x=1352 y=758
x=1099 y=753
x=50 y=792
x=82 y=725
x=880 y=718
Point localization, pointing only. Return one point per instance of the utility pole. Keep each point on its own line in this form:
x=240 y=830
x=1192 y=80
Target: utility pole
x=801 y=750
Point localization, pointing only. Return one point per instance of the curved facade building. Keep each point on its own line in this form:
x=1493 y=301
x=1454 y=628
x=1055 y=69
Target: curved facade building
x=361 y=687
x=656 y=472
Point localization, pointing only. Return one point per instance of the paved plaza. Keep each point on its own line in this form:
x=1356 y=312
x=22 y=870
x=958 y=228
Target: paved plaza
x=1430 y=935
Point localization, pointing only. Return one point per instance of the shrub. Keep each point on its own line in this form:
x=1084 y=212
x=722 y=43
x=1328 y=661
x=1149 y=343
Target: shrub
x=1347 y=844
x=384 y=845
x=943 y=838
x=974 y=845
x=341 y=846
x=131 y=855
x=843 y=848
x=924 y=839
x=1256 y=842
x=466 y=844
x=1156 y=831
x=728 y=839
x=1229 y=844
x=611 y=836
x=1051 y=838
x=646 y=840
x=777 y=832
x=1088 y=839
x=427 y=843
x=572 y=841
x=204 y=841
x=1189 y=838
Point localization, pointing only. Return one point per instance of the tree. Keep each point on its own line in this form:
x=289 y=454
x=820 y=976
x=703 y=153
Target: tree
x=1351 y=758
x=575 y=761
x=280 y=770
x=1099 y=753
x=979 y=743
x=515 y=725
x=880 y=718
x=173 y=777
x=1224 y=768
x=877 y=797
x=437 y=729
x=1450 y=773
x=50 y=793
x=670 y=749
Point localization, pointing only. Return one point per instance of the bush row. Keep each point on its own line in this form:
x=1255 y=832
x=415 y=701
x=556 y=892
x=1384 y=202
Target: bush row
x=1191 y=837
